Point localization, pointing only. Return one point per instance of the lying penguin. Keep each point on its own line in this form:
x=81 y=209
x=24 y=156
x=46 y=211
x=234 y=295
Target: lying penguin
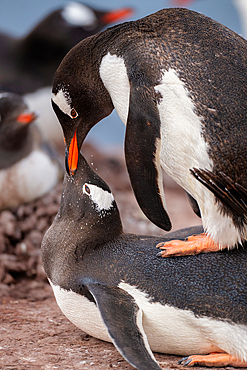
x=178 y=81
x=114 y=287
x=28 y=63
x=29 y=167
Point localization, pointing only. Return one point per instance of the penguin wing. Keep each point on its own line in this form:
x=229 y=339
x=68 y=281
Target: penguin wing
x=142 y=147
x=194 y=205
x=123 y=320
x=231 y=194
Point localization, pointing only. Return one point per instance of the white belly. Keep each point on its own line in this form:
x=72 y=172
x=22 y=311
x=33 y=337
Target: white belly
x=81 y=312
x=168 y=329
x=183 y=148
x=27 y=179
x=182 y=144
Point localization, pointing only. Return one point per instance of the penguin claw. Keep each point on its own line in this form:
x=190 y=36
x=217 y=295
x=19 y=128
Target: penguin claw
x=182 y=360
x=159 y=254
x=194 y=244
x=212 y=359
x=186 y=363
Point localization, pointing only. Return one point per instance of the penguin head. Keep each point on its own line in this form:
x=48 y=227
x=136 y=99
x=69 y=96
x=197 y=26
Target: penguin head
x=79 y=97
x=78 y=15
x=63 y=28
x=15 y=119
x=88 y=207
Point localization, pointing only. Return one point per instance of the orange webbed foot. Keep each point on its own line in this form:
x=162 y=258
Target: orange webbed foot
x=213 y=360
x=194 y=244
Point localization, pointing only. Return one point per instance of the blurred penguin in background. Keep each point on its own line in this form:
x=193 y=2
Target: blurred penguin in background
x=28 y=64
x=29 y=167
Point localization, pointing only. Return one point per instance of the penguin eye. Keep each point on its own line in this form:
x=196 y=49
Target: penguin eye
x=87 y=190
x=73 y=113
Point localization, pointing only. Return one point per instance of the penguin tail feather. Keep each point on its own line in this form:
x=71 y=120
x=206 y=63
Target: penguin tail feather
x=230 y=193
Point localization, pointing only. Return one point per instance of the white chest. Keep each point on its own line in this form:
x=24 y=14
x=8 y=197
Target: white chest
x=182 y=143
x=27 y=179
x=81 y=312
x=183 y=148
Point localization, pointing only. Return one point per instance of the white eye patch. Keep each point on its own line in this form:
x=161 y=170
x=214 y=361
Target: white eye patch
x=79 y=15
x=63 y=100
x=102 y=199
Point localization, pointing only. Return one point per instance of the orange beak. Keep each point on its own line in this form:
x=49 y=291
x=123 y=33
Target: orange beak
x=116 y=15
x=26 y=117
x=181 y=2
x=73 y=156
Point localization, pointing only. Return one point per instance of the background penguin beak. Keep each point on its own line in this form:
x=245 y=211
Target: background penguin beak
x=116 y=15
x=72 y=156
x=27 y=117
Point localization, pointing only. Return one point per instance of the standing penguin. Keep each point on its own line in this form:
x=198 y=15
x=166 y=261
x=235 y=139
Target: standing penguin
x=185 y=306
x=178 y=81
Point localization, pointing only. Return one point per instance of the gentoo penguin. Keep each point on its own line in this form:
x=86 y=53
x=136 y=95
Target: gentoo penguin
x=28 y=64
x=114 y=287
x=29 y=167
x=178 y=81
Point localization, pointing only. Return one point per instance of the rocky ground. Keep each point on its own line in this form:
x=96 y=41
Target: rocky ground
x=34 y=334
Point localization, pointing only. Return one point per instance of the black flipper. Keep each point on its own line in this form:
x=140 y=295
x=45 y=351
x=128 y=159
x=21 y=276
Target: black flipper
x=194 y=205
x=142 y=142
x=122 y=318
x=225 y=189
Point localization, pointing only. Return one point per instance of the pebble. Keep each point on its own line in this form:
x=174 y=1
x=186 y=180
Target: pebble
x=21 y=233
